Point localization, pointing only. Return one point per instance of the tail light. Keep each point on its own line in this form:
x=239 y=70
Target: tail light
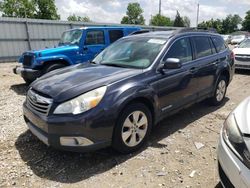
x=232 y=55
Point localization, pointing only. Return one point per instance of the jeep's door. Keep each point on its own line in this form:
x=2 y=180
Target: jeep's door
x=95 y=41
x=208 y=61
x=178 y=87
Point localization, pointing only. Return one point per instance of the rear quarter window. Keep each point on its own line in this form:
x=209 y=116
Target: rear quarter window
x=202 y=46
x=219 y=44
x=115 y=35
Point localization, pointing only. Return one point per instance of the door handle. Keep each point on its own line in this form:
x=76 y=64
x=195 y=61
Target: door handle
x=193 y=69
x=216 y=62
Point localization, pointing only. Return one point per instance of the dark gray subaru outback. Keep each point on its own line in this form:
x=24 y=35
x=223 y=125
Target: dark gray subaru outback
x=128 y=88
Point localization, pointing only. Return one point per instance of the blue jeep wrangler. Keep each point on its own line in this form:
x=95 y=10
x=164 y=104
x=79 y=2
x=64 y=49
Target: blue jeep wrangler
x=76 y=46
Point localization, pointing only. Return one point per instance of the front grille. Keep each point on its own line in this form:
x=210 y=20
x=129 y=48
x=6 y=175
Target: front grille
x=244 y=55
x=27 y=60
x=242 y=59
x=38 y=103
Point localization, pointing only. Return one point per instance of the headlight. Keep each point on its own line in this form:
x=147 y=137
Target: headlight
x=234 y=139
x=82 y=103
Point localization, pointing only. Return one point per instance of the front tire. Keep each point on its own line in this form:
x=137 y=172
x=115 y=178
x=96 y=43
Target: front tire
x=52 y=67
x=28 y=81
x=220 y=92
x=132 y=129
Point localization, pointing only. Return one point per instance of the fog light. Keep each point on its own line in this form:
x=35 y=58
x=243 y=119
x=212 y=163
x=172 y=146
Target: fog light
x=75 y=141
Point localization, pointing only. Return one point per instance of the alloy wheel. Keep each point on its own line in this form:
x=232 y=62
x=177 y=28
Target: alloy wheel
x=221 y=89
x=134 y=128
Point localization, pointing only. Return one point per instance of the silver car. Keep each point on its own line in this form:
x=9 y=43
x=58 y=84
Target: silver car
x=242 y=55
x=234 y=147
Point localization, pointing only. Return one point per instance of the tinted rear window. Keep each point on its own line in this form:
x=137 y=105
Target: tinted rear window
x=219 y=44
x=115 y=35
x=203 y=47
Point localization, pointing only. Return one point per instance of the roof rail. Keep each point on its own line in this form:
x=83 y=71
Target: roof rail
x=140 y=32
x=195 y=29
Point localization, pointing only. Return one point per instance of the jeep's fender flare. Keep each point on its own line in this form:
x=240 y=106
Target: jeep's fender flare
x=43 y=60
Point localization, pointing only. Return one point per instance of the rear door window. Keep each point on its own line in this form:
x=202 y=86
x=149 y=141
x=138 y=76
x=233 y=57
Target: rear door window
x=219 y=44
x=115 y=35
x=181 y=49
x=95 y=37
x=203 y=47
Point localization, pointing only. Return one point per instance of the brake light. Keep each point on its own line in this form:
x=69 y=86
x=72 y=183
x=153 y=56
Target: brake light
x=232 y=55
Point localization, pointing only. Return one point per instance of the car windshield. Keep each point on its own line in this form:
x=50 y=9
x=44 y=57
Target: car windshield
x=71 y=37
x=245 y=44
x=131 y=52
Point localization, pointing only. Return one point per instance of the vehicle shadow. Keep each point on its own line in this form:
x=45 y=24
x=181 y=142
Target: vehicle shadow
x=20 y=89
x=68 y=167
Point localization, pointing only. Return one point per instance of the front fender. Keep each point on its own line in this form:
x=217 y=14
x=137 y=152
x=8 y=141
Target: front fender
x=128 y=93
x=41 y=60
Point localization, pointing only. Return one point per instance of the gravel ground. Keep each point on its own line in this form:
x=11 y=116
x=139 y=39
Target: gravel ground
x=167 y=161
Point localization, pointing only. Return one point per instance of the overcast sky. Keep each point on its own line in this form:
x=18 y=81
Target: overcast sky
x=112 y=11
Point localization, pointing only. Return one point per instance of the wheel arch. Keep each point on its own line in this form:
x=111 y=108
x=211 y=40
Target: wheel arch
x=226 y=74
x=61 y=61
x=149 y=103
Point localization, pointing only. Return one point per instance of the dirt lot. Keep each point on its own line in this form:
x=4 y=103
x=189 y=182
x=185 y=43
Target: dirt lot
x=167 y=161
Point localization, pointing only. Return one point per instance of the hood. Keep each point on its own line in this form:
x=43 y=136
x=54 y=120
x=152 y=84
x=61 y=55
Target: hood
x=242 y=116
x=56 y=50
x=66 y=83
x=241 y=51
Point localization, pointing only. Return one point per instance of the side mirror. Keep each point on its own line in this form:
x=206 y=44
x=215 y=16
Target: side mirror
x=171 y=63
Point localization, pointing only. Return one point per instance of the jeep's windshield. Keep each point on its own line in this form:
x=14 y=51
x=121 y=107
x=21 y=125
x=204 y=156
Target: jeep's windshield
x=131 y=52
x=71 y=37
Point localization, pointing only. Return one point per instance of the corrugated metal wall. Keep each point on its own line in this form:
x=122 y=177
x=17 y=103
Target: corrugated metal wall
x=20 y=35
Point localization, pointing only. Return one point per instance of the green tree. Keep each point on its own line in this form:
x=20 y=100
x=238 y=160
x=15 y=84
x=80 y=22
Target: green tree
x=186 y=21
x=246 y=22
x=18 y=8
x=134 y=15
x=46 y=9
x=75 y=18
x=178 y=22
x=41 y=9
x=159 y=20
x=216 y=24
x=230 y=24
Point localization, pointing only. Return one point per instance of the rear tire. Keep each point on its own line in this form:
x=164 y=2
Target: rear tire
x=220 y=92
x=132 y=129
x=52 y=67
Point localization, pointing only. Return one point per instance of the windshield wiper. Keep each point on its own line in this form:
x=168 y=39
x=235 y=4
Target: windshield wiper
x=92 y=62
x=114 y=65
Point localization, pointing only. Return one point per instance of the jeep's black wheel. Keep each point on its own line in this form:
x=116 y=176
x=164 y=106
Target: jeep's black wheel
x=28 y=81
x=220 y=92
x=132 y=129
x=52 y=67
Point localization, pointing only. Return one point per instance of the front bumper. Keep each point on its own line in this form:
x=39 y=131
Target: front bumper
x=242 y=63
x=233 y=173
x=94 y=129
x=27 y=73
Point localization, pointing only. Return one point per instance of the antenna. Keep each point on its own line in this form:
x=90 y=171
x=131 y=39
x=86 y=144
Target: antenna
x=198 y=11
x=159 y=7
